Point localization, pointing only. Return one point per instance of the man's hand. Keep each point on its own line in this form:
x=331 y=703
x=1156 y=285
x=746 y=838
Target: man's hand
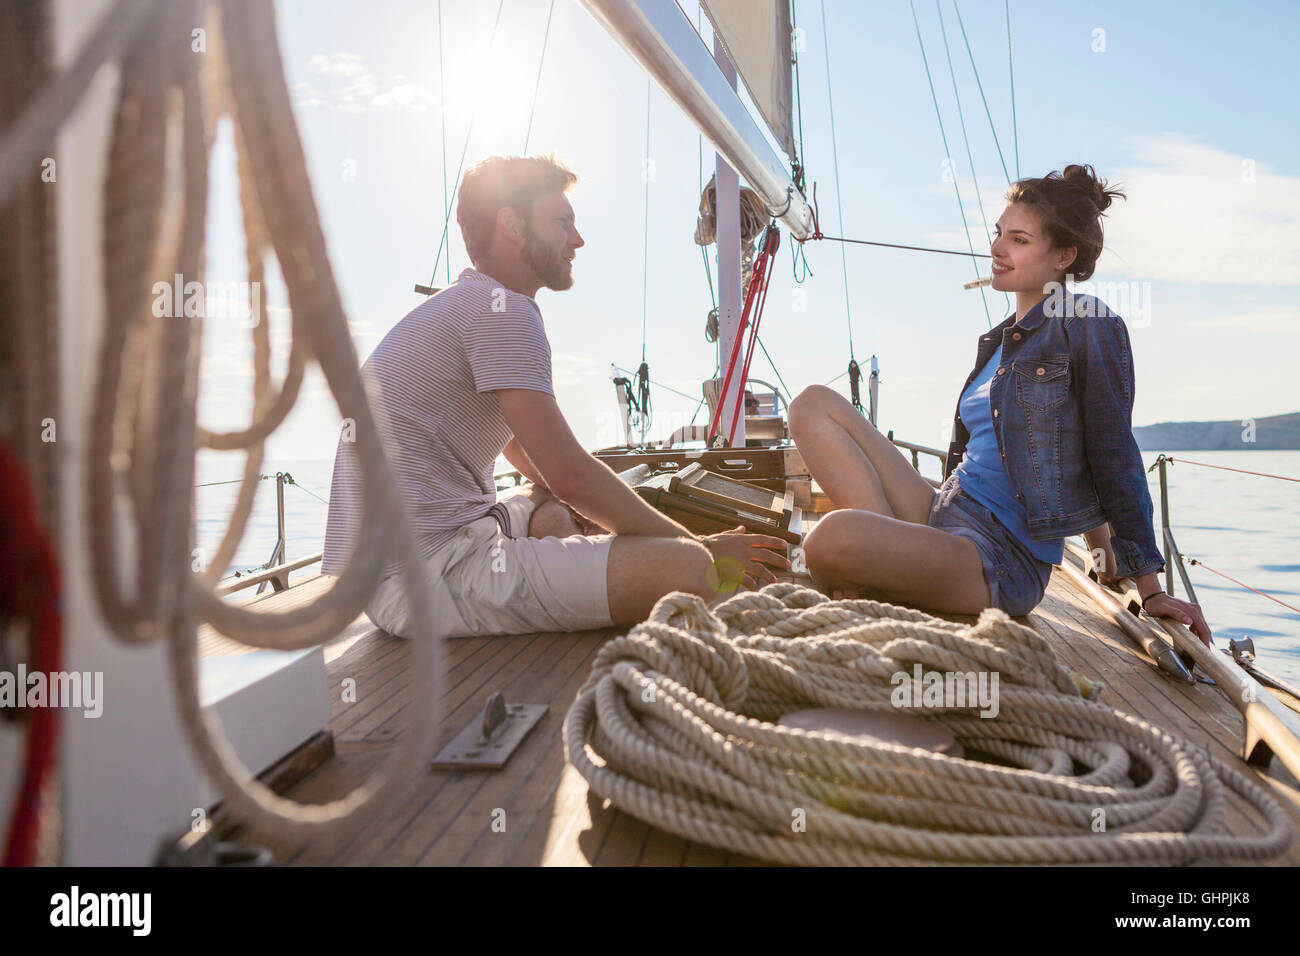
x=756 y=554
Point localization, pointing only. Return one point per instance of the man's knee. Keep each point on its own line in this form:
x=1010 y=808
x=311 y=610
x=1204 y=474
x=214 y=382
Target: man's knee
x=551 y=518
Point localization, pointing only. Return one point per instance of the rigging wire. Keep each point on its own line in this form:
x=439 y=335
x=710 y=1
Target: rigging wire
x=442 y=119
x=642 y=378
x=774 y=369
x=1011 y=72
x=987 y=111
x=961 y=119
x=657 y=384
x=446 y=220
x=798 y=261
x=895 y=245
x=537 y=84
x=961 y=116
x=848 y=312
x=947 y=152
x=1006 y=298
x=645 y=237
x=798 y=99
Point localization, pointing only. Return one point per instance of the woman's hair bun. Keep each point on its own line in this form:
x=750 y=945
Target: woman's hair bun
x=1084 y=178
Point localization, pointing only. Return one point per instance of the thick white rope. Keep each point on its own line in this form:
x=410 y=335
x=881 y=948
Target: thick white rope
x=675 y=726
x=142 y=423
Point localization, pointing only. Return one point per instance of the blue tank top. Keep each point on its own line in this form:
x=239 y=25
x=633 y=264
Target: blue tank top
x=982 y=474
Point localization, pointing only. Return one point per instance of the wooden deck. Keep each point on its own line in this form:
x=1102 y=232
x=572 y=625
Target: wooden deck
x=552 y=819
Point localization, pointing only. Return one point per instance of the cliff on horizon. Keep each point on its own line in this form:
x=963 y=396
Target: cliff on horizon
x=1270 y=433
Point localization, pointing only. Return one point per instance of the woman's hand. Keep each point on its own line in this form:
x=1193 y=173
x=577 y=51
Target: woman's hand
x=1108 y=580
x=1185 y=612
x=754 y=554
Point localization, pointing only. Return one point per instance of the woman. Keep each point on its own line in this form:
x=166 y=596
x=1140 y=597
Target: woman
x=1043 y=443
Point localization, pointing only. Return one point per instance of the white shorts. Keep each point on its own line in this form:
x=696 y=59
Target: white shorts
x=494 y=579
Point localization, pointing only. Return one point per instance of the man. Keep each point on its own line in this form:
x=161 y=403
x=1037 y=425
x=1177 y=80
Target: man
x=465 y=377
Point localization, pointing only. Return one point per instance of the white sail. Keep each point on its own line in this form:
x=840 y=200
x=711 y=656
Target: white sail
x=756 y=36
x=659 y=37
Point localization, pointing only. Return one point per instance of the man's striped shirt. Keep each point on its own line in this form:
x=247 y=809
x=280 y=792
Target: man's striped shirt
x=430 y=383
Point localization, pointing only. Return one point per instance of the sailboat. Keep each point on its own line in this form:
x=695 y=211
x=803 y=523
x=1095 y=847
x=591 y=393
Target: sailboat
x=298 y=733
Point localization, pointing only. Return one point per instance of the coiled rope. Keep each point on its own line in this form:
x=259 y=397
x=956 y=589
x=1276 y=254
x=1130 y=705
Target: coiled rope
x=674 y=726
x=142 y=430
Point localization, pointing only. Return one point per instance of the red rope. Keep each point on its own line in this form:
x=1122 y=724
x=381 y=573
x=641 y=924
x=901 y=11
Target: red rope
x=1242 y=471
x=29 y=591
x=1243 y=584
x=755 y=297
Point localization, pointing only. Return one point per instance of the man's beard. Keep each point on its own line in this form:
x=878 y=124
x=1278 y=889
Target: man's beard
x=547 y=264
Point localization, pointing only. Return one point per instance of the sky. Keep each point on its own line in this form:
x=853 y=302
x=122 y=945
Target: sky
x=1189 y=106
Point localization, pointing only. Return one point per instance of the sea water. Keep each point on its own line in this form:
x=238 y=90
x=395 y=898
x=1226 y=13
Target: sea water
x=1241 y=525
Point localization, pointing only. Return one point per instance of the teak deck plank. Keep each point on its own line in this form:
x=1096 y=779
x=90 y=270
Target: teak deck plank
x=521 y=795
x=551 y=818
x=468 y=803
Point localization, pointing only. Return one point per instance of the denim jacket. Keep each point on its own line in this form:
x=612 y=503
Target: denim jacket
x=1062 y=404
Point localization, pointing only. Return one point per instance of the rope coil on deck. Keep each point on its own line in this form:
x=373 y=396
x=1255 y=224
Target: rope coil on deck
x=674 y=726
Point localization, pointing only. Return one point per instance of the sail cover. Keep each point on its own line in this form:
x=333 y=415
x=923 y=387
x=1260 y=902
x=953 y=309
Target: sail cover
x=756 y=35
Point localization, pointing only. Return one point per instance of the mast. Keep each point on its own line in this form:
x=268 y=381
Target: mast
x=727 y=210
x=662 y=40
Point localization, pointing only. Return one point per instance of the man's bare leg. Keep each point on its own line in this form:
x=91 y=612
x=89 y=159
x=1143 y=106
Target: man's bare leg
x=640 y=571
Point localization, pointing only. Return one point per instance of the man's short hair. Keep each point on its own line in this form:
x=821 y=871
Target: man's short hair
x=498 y=182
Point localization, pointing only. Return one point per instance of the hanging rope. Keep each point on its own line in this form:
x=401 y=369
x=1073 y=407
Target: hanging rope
x=142 y=431
x=675 y=726
x=753 y=220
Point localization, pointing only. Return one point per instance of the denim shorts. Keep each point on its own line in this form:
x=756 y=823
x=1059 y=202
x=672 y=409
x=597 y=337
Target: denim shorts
x=1017 y=580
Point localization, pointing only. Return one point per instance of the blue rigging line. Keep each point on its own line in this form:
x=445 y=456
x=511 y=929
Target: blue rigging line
x=645 y=238
x=442 y=118
x=537 y=84
x=948 y=153
x=839 y=210
x=464 y=150
x=1015 y=132
x=970 y=53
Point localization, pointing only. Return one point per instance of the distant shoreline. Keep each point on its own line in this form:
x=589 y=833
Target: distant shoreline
x=1272 y=433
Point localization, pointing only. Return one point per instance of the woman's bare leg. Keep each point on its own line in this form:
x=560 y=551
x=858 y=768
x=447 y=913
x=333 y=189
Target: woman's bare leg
x=852 y=462
x=861 y=552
